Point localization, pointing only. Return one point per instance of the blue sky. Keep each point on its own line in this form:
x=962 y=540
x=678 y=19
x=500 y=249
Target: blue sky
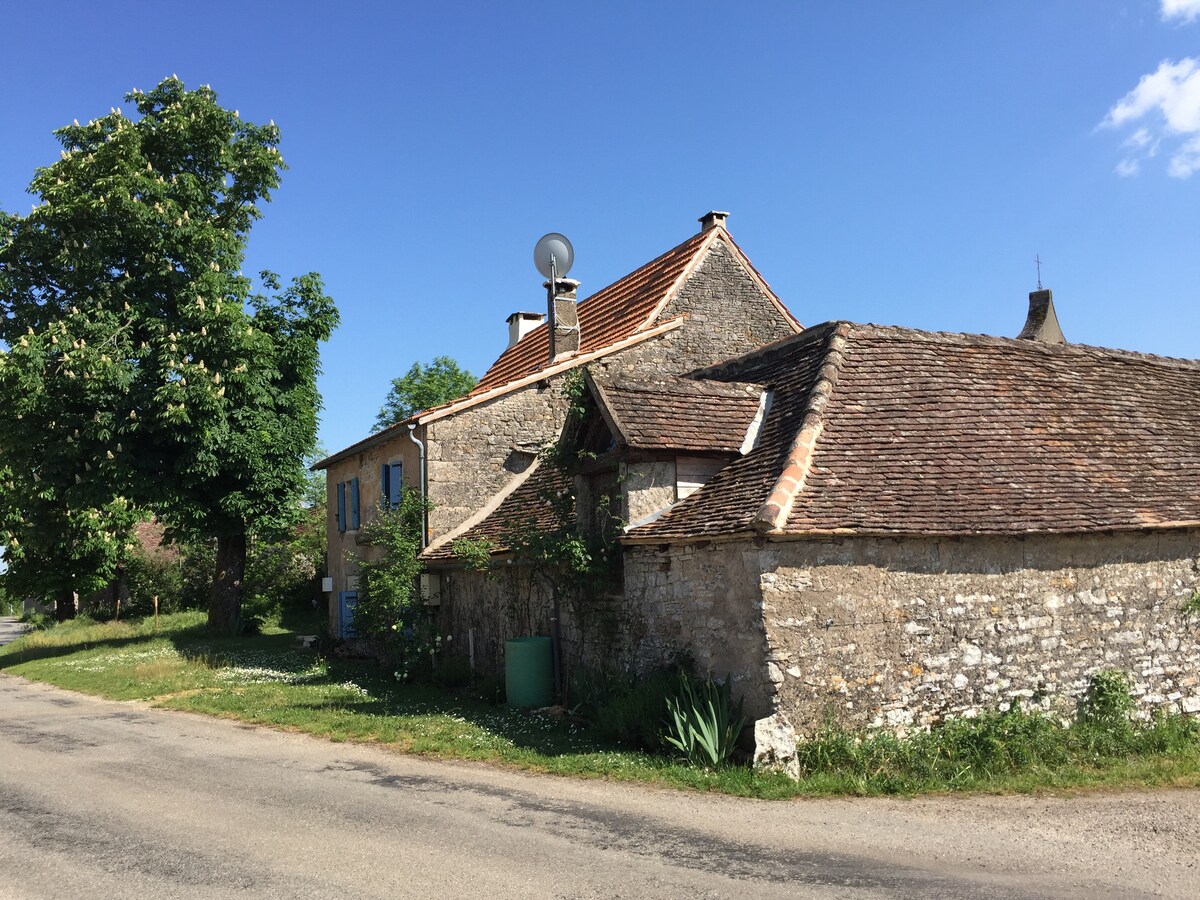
x=899 y=163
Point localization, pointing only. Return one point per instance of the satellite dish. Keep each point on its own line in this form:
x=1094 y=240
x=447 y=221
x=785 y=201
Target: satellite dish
x=553 y=247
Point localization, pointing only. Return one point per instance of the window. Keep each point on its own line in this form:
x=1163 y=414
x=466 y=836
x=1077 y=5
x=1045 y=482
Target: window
x=391 y=480
x=347 y=505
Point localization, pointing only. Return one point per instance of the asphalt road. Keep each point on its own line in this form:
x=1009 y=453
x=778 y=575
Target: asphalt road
x=10 y=629
x=102 y=799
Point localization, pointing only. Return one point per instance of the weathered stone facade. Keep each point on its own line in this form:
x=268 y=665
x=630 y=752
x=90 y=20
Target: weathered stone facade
x=481 y=610
x=725 y=316
x=346 y=547
x=901 y=633
x=474 y=452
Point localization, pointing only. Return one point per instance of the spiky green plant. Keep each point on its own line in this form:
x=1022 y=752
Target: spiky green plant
x=703 y=723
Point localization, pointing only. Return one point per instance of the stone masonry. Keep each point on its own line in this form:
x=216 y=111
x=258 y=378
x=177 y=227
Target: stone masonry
x=900 y=633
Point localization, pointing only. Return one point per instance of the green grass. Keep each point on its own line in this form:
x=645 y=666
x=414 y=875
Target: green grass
x=268 y=680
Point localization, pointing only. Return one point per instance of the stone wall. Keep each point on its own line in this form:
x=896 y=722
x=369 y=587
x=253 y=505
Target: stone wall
x=487 y=608
x=702 y=600
x=474 y=453
x=727 y=315
x=646 y=488
x=901 y=633
x=346 y=548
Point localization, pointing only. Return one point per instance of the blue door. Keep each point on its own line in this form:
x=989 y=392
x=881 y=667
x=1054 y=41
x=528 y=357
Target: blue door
x=346 y=603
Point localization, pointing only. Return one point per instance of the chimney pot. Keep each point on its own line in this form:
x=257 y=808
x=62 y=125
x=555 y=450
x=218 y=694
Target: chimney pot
x=1042 y=322
x=712 y=219
x=521 y=323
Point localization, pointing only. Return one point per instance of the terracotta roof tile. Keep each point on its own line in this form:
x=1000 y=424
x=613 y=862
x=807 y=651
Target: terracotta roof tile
x=525 y=509
x=949 y=434
x=605 y=317
x=678 y=413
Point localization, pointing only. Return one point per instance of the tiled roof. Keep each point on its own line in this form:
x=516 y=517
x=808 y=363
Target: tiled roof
x=528 y=508
x=605 y=317
x=678 y=413
x=890 y=430
x=625 y=312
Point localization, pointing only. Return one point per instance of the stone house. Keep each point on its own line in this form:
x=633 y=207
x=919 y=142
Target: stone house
x=700 y=302
x=885 y=525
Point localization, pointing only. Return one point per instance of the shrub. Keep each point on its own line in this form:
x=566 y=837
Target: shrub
x=635 y=715
x=149 y=576
x=702 y=723
x=1107 y=700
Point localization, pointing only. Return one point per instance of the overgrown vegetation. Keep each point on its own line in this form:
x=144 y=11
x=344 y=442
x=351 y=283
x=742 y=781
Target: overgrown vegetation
x=1012 y=749
x=268 y=679
x=704 y=724
x=390 y=611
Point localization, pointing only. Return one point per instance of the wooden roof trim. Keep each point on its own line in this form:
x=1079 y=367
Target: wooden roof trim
x=454 y=406
x=604 y=405
x=773 y=514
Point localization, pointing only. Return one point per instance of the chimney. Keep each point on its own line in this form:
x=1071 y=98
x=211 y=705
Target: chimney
x=712 y=219
x=521 y=323
x=564 y=317
x=1042 y=323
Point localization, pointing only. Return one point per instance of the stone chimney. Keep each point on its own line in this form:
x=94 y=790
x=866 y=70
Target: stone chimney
x=564 y=318
x=521 y=323
x=1042 y=323
x=712 y=219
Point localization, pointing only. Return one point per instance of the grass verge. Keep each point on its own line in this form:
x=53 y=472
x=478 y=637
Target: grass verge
x=268 y=680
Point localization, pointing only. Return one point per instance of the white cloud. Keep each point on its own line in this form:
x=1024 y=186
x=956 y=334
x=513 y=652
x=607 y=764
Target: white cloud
x=1137 y=140
x=1170 y=98
x=1127 y=167
x=1186 y=160
x=1173 y=89
x=1187 y=10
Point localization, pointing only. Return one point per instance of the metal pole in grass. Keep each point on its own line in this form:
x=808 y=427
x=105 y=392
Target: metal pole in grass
x=156 y=612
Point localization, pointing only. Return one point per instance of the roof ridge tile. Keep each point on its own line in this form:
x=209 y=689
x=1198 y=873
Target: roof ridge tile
x=773 y=514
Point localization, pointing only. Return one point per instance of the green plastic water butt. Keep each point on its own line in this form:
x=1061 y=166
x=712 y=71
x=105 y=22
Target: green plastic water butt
x=528 y=672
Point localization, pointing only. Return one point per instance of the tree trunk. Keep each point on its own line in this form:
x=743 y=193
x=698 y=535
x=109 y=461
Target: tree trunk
x=225 y=608
x=64 y=605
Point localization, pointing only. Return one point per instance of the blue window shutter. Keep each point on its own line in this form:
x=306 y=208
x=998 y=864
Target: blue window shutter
x=385 y=492
x=341 y=500
x=347 y=600
x=395 y=484
x=354 y=504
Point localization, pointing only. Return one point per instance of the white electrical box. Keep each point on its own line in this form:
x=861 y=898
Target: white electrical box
x=431 y=589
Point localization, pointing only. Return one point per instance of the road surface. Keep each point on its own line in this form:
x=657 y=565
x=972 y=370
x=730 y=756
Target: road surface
x=103 y=799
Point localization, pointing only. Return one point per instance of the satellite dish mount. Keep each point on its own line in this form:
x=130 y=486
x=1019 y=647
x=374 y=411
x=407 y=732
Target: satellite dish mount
x=553 y=255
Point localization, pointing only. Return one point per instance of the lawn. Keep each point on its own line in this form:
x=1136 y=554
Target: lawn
x=269 y=679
